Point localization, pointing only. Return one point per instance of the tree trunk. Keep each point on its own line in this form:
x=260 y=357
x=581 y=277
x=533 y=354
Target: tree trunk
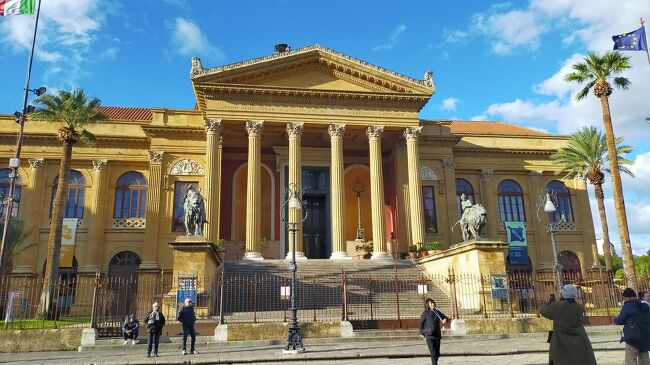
x=600 y=198
x=54 y=240
x=619 y=203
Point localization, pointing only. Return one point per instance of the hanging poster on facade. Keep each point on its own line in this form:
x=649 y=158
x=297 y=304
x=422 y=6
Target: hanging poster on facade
x=517 y=243
x=68 y=237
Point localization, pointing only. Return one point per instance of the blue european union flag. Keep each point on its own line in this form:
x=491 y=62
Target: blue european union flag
x=632 y=41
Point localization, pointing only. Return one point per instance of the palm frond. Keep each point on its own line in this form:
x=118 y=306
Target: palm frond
x=87 y=137
x=622 y=82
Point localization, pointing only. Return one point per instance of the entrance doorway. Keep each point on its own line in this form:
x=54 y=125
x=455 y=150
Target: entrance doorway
x=316 y=197
x=314 y=229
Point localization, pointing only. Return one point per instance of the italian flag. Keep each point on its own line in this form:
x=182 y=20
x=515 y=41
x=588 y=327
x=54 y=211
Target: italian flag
x=14 y=7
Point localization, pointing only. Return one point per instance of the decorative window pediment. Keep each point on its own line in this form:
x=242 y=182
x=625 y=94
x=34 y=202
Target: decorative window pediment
x=186 y=167
x=427 y=173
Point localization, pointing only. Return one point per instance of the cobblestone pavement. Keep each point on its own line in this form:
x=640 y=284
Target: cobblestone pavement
x=467 y=351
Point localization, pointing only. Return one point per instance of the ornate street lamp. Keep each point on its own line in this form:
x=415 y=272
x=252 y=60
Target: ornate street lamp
x=546 y=203
x=294 y=203
x=359 y=188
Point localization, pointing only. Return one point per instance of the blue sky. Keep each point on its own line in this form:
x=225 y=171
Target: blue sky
x=491 y=61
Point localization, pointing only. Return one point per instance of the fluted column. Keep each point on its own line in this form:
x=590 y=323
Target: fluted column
x=415 y=187
x=253 y=190
x=25 y=262
x=377 y=194
x=149 y=259
x=294 y=131
x=337 y=193
x=95 y=238
x=487 y=197
x=212 y=194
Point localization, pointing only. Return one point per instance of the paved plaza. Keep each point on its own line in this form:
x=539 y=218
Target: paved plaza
x=522 y=349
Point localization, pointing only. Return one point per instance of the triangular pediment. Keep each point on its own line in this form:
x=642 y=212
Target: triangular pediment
x=313 y=67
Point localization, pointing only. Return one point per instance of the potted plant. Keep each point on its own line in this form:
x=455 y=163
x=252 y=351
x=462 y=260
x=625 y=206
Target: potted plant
x=220 y=247
x=413 y=251
x=434 y=247
x=366 y=248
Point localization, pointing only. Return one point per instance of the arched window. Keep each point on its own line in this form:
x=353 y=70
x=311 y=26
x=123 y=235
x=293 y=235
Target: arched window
x=430 y=219
x=130 y=196
x=5 y=175
x=463 y=187
x=74 y=205
x=511 y=202
x=563 y=210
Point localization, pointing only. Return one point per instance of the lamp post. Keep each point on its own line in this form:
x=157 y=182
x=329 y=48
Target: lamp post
x=293 y=202
x=359 y=188
x=546 y=203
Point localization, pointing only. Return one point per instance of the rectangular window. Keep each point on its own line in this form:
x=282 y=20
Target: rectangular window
x=429 y=200
x=180 y=187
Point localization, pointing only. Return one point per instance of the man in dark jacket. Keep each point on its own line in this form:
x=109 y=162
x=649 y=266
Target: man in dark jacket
x=187 y=317
x=431 y=322
x=635 y=318
x=130 y=329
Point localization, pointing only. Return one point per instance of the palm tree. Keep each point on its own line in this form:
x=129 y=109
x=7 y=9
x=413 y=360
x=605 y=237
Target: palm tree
x=75 y=111
x=585 y=156
x=595 y=71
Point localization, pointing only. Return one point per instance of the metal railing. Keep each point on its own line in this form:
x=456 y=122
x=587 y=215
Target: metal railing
x=103 y=301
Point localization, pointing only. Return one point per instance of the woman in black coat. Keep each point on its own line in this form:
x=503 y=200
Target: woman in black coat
x=155 y=321
x=431 y=322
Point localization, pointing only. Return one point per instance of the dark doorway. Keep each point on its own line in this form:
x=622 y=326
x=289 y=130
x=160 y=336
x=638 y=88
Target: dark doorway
x=314 y=229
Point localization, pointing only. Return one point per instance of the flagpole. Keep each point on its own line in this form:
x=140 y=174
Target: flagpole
x=646 y=51
x=15 y=162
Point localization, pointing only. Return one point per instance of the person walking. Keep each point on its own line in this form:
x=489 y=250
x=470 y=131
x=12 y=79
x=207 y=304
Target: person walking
x=155 y=322
x=635 y=319
x=431 y=322
x=570 y=344
x=187 y=317
x=130 y=329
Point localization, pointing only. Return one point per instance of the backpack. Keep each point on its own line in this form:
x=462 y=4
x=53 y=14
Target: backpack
x=636 y=331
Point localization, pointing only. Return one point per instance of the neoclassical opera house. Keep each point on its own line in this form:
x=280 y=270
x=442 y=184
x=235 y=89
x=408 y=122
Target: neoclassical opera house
x=348 y=132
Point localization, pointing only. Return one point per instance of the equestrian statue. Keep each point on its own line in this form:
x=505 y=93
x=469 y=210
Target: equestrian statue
x=472 y=221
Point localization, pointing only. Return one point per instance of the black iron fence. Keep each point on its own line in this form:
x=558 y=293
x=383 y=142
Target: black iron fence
x=103 y=302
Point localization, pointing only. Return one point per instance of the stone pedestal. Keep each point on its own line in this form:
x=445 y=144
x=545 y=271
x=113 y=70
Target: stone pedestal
x=194 y=256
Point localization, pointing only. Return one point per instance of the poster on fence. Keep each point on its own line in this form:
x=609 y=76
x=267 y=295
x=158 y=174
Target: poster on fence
x=517 y=243
x=68 y=237
x=499 y=286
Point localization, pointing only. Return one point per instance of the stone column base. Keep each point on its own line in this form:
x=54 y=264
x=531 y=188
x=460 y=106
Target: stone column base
x=381 y=256
x=340 y=255
x=299 y=256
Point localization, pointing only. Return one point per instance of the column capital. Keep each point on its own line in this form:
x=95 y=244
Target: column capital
x=294 y=129
x=36 y=163
x=254 y=127
x=534 y=175
x=449 y=164
x=375 y=131
x=213 y=125
x=155 y=157
x=487 y=174
x=99 y=165
x=412 y=133
x=336 y=130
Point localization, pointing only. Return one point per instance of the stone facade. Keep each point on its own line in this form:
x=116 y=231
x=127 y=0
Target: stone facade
x=313 y=117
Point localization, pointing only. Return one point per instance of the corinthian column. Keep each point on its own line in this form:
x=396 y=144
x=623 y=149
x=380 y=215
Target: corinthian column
x=415 y=190
x=487 y=197
x=377 y=194
x=149 y=259
x=95 y=240
x=338 y=192
x=213 y=129
x=253 y=190
x=294 y=131
x=25 y=262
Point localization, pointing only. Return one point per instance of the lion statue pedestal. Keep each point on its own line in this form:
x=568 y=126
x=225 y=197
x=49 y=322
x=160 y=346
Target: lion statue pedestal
x=194 y=257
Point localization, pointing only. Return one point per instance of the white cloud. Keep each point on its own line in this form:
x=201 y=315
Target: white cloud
x=189 y=40
x=450 y=104
x=393 y=40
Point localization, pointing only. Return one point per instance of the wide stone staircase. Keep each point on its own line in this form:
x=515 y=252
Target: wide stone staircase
x=328 y=290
